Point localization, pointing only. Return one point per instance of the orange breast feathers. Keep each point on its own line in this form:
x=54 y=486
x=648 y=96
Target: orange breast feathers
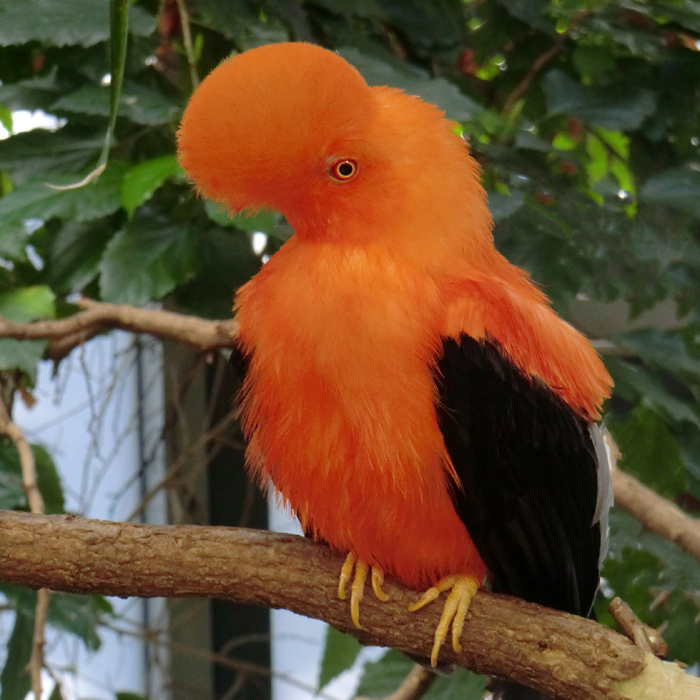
x=339 y=406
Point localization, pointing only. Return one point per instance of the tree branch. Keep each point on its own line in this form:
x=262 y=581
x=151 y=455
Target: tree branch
x=556 y=653
x=67 y=333
x=656 y=513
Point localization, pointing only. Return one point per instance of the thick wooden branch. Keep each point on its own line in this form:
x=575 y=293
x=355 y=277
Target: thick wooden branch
x=562 y=655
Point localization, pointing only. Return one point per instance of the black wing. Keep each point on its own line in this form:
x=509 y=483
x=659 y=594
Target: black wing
x=529 y=470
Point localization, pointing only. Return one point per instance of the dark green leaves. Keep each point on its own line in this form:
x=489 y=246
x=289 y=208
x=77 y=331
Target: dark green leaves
x=146 y=260
x=62 y=23
x=383 y=677
x=339 y=654
x=617 y=107
x=38 y=200
x=677 y=188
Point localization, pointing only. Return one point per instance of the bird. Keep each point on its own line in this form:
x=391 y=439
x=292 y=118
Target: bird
x=409 y=393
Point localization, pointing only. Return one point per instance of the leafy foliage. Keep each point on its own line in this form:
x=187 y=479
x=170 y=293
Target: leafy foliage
x=583 y=116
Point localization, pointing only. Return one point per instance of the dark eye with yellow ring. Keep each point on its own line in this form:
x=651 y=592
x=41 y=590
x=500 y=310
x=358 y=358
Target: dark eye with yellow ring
x=344 y=169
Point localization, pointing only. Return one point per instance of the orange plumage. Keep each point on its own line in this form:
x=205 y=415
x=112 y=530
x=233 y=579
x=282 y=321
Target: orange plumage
x=344 y=325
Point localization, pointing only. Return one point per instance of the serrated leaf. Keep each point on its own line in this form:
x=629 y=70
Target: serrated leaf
x=649 y=451
x=383 y=677
x=44 y=153
x=677 y=188
x=141 y=181
x=611 y=107
x=663 y=349
x=139 y=103
x=75 y=254
x=22 y=355
x=384 y=69
x=229 y=261
x=503 y=206
x=80 y=615
x=33 y=93
x=339 y=654
x=27 y=303
x=635 y=383
x=56 y=693
x=64 y=23
x=15 y=681
x=12 y=495
x=36 y=200
x=146 y=260
x=265 y=221
x=13 y=242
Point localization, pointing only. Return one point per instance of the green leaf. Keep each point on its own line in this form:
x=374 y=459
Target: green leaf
x=503 y=206
x=13 y=242
x=664 y=349
x=265 y=221
x=339 y=654
x=677 y=188
x=383 y=69
x=27 y=303
x=137 y=102
x=75 y=254
x=32 y=93
x=12 y=495
x=141 y=181
x=15 y=681
x=56 y=693
x=383 y=677
x=45 y=153
x=62 y=23
x=123 y=695
x=637 y=383
x=80 y=615
x=36 y=200
x=614 y=107
x=229 y=261
x=146 y=260
x=22 y=355
x=649 y=451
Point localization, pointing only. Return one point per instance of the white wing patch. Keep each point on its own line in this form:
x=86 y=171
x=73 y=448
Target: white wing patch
x=607 y=455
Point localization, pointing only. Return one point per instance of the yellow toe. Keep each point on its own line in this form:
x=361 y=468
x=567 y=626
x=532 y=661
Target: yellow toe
x=454 y=612
x=357 y=588
x=377 y=582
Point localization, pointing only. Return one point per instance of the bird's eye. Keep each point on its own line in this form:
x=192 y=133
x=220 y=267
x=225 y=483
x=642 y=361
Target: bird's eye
x=344 y=169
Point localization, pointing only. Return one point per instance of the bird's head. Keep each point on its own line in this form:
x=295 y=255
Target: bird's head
x=294 y=127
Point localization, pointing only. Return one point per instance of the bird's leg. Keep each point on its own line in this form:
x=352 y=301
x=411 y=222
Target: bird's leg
x=357 y=589
x=454 y=612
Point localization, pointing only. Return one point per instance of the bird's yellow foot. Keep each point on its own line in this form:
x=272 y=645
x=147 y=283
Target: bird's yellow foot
x=357 y=590
x=462 y=591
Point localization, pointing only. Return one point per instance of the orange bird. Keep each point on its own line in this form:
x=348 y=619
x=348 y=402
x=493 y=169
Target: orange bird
x=410 y=393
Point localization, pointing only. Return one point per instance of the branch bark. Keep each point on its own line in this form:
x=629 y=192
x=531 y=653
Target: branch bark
x=656 y=513
x=556 y=653
x=67 y=333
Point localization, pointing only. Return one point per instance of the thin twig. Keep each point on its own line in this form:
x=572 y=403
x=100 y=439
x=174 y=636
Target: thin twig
x=187 y=42
x=540 y=62
x=634 y=629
